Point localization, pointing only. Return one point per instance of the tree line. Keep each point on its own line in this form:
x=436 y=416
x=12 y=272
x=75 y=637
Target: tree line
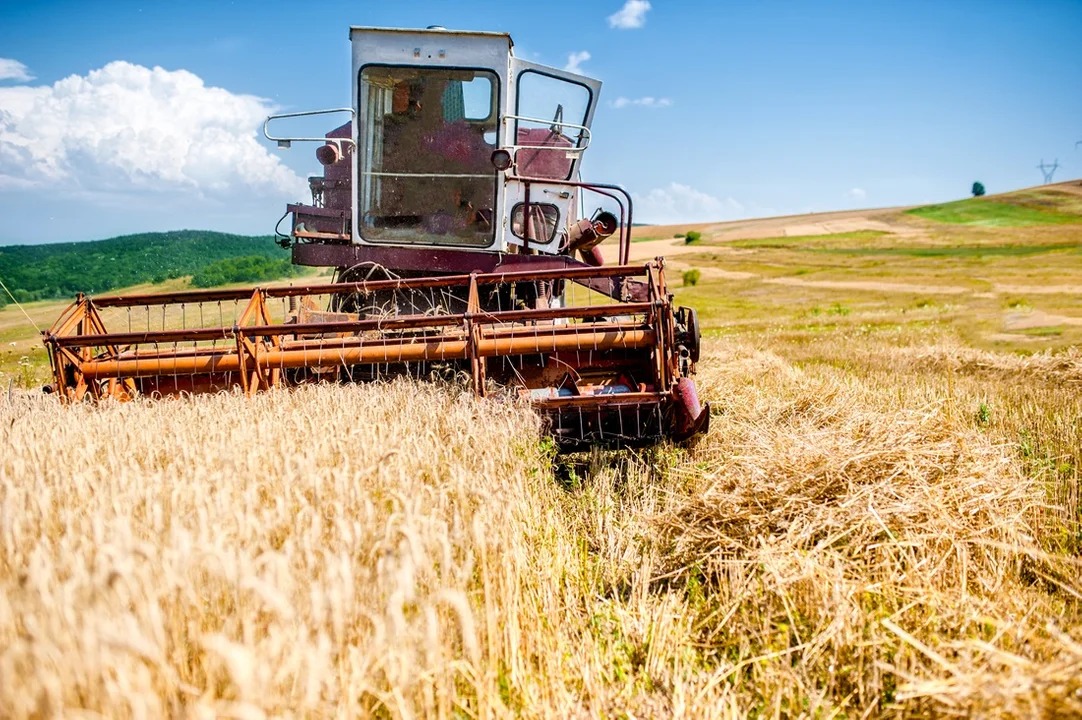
x=39 y=272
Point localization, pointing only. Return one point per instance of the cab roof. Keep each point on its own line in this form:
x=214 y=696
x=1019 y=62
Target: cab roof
x=433 y=30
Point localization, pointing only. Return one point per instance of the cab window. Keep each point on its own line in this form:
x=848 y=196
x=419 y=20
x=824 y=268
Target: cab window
x=550 y=113
x=427 y=136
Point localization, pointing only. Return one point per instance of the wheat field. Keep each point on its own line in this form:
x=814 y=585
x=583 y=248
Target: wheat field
x=858 y=539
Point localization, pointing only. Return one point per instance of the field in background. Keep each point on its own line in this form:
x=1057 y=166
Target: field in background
x=883 y=520
x=998 y=273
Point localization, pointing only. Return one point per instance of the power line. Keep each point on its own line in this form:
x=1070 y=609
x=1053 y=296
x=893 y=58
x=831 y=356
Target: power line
x=1048 y=170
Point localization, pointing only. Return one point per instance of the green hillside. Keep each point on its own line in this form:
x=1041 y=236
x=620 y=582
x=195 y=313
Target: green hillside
x=1021 y=208
x=38 y=272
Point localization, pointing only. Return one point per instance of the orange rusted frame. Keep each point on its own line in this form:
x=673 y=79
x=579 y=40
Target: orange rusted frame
x=377 y=351
x=258 y=350
x=394 y=323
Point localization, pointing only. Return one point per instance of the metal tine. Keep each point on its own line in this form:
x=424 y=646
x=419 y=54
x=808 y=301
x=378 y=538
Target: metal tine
x=342 y=362
x=155 y=345
x=195 y=347
x=552 y=325
x=321 y=338
x=512 y=327
x=361 y=343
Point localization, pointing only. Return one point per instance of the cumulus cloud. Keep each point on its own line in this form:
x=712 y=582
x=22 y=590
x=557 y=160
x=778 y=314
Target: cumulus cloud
x=632 y=15
x=856 y=194
x=683 y=204
x=650 y=102
x=14 y=70
x=575 y=61
x=129 y=128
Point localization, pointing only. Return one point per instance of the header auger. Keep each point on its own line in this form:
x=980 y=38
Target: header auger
x=451 y=208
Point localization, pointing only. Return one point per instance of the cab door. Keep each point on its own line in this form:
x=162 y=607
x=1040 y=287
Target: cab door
x=547 y=129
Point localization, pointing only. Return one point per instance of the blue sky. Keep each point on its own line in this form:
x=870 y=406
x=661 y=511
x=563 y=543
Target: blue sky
x=129 y=116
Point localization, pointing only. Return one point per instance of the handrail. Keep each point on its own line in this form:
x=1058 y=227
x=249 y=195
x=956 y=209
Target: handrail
x=284 y=142
x=606 y=189
x=586 y=135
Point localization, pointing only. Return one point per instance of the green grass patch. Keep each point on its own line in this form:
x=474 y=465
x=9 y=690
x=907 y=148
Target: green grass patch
x=962 y=251
x=797 y=240
x=1055 y=331
x=993 y=213
x=823 y=244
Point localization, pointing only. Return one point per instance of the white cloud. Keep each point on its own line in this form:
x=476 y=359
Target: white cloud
x=683 y=204
x=856 y=194
x=575 y=61
x=650 y=102
x=14 y=70
x=631 y=15
x=130 y=128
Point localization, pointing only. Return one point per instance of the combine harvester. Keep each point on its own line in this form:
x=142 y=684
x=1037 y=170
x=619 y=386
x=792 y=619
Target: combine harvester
x=452 y=209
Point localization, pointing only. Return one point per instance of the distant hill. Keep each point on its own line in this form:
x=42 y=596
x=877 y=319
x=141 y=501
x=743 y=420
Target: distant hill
x=38 y=272
x=1057 y=204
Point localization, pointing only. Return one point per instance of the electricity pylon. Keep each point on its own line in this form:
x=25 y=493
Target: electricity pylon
x=1048 y=170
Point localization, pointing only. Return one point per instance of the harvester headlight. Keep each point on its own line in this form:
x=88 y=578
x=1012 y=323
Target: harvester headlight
x=328 y=154
x=501 y=159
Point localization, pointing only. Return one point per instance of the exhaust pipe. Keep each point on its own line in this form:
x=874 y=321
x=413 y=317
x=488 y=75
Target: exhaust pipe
x=587 y=234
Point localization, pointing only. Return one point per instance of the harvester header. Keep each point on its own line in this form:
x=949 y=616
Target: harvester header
x=452 y=209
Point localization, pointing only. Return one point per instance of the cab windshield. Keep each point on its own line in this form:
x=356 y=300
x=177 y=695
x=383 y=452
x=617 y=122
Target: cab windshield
x=427 y=136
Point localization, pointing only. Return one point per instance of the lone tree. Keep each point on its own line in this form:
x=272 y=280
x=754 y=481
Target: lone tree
x=978 y=189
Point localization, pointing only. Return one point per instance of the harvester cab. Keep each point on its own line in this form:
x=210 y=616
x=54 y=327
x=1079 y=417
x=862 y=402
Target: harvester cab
x=463 y=241
x=453 y=143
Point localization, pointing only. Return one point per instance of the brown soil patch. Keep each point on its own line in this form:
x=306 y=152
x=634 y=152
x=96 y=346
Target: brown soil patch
x=1037 y=319
x=1040 y=289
